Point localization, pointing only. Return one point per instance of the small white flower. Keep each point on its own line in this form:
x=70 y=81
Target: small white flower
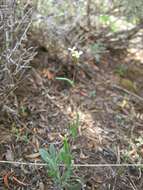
x=72 y=49
x=75 y=53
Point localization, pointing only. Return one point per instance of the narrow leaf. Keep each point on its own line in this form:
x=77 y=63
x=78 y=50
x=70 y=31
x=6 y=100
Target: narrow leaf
x=66 y=79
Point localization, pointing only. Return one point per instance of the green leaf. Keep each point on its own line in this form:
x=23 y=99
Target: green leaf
x=65 y=157
x=76 y=186
x=48 y=159
x=71 y=82
x=66 y=145
x=77 y=120
x=45 y=155
x=92 y=93
x=113 y=27
x=74 y=127
x=52 y=173
x=104 y=19
x=68 y=160
x=65 y=154
x=68 y=156
x=52 y=151
x=67 y=174
x=73 y=131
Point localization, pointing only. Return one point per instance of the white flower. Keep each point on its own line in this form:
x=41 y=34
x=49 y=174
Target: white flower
x=72 y=49
x=75 y=53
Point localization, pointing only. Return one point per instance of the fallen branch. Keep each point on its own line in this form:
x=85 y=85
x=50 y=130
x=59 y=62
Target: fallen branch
x=128 y=92
x=74 y=165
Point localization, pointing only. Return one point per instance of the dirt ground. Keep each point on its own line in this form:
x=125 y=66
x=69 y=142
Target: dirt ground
x=110 y=132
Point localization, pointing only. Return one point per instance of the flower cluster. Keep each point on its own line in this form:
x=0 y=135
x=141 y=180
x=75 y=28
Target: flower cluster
x=75 y=53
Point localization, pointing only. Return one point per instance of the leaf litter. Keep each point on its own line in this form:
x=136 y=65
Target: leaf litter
x=109 y=125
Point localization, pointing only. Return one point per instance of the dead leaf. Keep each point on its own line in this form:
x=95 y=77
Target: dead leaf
x=33 y=156
x=82 y=156
x=82 y=93
x=35 y=142
x=5 y=134
x=9 y=155
x=47 y=74
x=5 y=179
x=41 y=186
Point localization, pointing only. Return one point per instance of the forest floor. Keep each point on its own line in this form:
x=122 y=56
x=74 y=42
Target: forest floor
x=110 y=124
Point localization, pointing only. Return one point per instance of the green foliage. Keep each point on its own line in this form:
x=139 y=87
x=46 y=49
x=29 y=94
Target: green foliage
x=104 y=19
x=67 y=12
x=20 y=137
x=75 y=54
x=59 y=164
x=129 y=85
x=71 y=82
x=109 y=20
x=121 y=70
x=74 y=126
x=92 y=94
x=60 y=11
